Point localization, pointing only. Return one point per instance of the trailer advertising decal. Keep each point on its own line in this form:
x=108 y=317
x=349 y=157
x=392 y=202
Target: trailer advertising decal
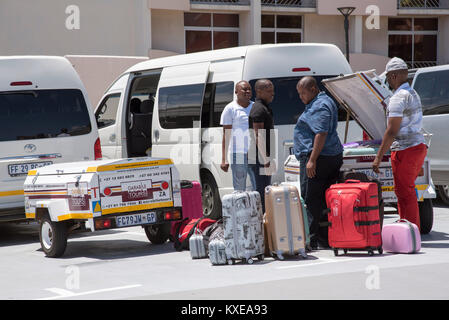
x=134 y=187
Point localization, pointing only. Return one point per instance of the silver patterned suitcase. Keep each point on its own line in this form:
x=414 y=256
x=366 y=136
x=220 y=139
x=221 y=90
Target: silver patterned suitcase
x=217 y=251
x=197 y=248
x=243 y=226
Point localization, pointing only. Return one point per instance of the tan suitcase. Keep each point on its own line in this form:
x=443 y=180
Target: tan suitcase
x=285 y=223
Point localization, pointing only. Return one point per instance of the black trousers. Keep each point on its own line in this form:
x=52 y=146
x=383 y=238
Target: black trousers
x=313 y=191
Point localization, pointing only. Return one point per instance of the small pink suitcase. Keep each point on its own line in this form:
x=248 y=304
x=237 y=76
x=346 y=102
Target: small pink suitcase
x=401 y=236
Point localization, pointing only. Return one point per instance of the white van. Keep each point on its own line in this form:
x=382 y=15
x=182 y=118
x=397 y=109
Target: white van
x=45 y=118
x=171 y=107
x=432 y=85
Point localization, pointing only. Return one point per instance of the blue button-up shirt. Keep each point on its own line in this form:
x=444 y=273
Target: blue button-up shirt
x=320 y=115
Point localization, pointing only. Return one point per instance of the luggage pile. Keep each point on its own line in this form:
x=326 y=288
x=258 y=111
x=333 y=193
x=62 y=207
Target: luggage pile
x=355 y=215
x=244 y=233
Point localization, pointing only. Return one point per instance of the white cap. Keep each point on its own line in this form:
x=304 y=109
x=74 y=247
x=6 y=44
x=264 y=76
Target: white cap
x=396 y=64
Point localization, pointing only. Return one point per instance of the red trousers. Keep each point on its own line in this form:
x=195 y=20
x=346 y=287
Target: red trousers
x=406 y=165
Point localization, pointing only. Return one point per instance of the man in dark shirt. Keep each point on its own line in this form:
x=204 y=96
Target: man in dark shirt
x=261 y=126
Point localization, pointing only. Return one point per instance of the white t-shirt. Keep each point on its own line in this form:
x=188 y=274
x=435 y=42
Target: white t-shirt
x=405 y=103
x=237 y=116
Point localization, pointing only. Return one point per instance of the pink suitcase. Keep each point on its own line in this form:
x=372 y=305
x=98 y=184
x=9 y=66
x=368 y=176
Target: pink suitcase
x=191 y=201
x=192 y=204
x=401 y=236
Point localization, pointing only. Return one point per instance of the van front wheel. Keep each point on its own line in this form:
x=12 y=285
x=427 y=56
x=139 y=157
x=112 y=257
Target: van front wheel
x=211 y=197
x=53 y=237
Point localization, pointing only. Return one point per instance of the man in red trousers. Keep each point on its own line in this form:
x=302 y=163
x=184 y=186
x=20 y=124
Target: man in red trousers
x=404 y=136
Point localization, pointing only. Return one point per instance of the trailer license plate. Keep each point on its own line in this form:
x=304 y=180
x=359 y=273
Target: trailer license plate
x=135 y=219
x=22 y=168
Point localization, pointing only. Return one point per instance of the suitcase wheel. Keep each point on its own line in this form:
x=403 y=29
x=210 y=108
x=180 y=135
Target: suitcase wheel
x=250 y=261
x=231 y=261
x=380 y=250
x=371 y=252
x=345 y=251
x=335 y=252
x=260 y=257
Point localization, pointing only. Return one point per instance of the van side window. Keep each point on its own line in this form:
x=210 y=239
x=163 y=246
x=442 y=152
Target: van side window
x=180 y=106
x=107 y=112
x=224 y=93
x=287 y=106
x=216 y=97
x=433 y=90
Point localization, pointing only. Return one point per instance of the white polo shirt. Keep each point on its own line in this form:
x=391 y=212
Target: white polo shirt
x=237 y=116
x=406 y=103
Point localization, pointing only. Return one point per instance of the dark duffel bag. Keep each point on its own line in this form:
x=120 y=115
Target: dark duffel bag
x=362 y=177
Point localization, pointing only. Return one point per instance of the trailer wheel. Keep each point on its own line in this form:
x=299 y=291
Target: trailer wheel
x=158 y=233
x=53 y=237
x=426 y=215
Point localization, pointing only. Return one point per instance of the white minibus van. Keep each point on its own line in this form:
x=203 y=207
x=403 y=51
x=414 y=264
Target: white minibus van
x=171 y=107
x=45 y=118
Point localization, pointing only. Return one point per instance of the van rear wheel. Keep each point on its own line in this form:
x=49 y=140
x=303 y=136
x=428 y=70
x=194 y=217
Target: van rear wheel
x=211 y=197
x=53 y=237
x=443 y=192
x=426 y=215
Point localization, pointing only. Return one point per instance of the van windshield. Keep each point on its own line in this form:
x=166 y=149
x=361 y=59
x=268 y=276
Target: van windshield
x=286 y=105
x=41 y=114
x=433 y=90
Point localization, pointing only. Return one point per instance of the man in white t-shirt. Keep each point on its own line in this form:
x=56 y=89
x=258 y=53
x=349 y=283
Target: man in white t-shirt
x=405 y=139
x=234 y=120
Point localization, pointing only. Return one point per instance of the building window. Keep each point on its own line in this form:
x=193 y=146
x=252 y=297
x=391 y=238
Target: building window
x=414 y=40
x=209 y=31
x=281 y=28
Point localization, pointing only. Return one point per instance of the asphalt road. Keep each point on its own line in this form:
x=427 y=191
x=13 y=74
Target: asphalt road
x=122 y=264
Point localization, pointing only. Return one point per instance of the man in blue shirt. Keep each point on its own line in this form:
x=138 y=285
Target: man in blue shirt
x=320 y=153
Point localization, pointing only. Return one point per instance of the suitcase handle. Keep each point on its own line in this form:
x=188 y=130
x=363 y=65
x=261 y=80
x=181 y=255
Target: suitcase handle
x=186 y=184
x=352 y=181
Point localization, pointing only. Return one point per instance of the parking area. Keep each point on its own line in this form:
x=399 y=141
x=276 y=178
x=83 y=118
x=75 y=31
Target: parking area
x=122 y=264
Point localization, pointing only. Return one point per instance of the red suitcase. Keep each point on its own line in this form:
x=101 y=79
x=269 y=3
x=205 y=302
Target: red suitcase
x=353 y=213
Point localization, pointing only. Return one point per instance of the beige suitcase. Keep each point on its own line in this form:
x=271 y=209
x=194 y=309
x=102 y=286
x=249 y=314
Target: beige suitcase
x=284 y=220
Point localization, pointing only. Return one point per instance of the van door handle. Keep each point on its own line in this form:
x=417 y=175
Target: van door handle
x=112 y=137
x=156 y=135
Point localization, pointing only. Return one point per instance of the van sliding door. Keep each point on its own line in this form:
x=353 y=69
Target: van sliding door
x=177 y=118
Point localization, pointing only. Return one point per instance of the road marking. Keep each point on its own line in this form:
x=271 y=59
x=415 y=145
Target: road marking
x=62 y=293
x=326 y=261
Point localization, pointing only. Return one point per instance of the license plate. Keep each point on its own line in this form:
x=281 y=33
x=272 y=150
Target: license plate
x=135 y=219
x=384 y=173
x=22 y=168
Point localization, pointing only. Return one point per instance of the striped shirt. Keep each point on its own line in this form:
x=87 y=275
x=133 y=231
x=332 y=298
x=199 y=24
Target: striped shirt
x=405 y=103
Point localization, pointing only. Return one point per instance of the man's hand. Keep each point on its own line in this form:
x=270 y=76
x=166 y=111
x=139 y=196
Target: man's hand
x=376 y=164
x=224 y=166
x=311 y=169
x=270 y=167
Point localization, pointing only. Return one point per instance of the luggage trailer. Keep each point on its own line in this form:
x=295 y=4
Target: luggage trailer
x=99 y=195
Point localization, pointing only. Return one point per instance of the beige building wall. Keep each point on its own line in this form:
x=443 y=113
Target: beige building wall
x=112 y=27
x=167 y=30
x=327 y=29
x=375 y=41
